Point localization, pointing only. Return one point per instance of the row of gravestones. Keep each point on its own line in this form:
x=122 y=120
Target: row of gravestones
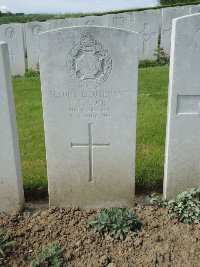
x=150 y=24
x=89 y=92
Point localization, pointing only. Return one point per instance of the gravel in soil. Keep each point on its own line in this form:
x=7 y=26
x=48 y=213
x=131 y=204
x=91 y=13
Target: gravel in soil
x=160 y=242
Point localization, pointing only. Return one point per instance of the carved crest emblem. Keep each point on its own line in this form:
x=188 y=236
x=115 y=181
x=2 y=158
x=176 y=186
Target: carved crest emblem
x=118 y=22
x=146 y=34
x=36 y=29
x=10 y=33
x=89 y=62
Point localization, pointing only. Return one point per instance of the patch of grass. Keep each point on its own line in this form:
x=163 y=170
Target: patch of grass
x=31 y=132
x=151 y=126
x=32 y=73
x=147 y=63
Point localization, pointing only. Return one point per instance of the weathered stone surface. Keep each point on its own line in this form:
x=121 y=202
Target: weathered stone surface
x=147 y=24
x=182 y=168
x=13 y=34
x=131 y=20
x=185 y=10
x=195 y=9
x=61 y=23
x=168 y=14
x=92 y=20
x=121 y=21
x=89 y=88
x=11 y=188
x=32 y=29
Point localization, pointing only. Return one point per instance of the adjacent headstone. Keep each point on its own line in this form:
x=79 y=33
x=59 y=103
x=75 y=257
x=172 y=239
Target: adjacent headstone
x=182 y=157
x=195 y=9
x=61 y=23
x=167 y=15
x=121 y=21
x=147 y=24
x=131 y=20
x=13 y=34
x=23 y=26
x=89 y=90
x=11 y=188
x=32 y=29
x=186 y=10
x=92 y=20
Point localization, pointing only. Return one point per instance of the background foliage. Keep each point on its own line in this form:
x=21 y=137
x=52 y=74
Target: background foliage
x=23 y=18
x=173 y=2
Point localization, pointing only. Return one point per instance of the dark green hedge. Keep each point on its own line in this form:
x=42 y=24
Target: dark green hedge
x=172 y=2
x=23 y=18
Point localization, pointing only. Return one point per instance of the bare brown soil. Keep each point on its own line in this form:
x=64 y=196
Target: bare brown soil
x=160 y=242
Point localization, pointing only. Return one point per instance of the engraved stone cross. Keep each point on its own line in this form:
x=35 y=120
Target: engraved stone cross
x=146 y=35
x=90 y=145
x=36 y=30
x=10 y=33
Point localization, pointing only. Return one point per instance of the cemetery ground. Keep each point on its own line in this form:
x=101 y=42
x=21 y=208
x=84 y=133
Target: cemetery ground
x=159 y=242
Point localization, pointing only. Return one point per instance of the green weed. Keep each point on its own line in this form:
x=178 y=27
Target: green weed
x=51 y=256
x=116 y=222
x=5 y=243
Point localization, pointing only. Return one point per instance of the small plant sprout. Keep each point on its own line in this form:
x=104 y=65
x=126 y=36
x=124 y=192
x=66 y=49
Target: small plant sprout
x=156 y=200
x=5 y=243
x=51 y=256
x=162 y=58
x=116 y=222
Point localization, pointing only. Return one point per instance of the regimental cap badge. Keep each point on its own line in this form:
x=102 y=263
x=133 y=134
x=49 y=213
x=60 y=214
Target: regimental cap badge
x=88 y=42
x=89 y=62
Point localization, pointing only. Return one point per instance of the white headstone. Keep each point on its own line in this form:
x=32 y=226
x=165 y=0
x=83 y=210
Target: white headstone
x=13 y=34
x=121 y=20
x=92 y=20
x=186 y=10
x=195 y=9
x=147 y=24
x=32 y=29
x=131 y=20
x=11 y=187
x=61 y=23
x=182 y=158
x=24 y=36
x=89 y=89
x=167 y=15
